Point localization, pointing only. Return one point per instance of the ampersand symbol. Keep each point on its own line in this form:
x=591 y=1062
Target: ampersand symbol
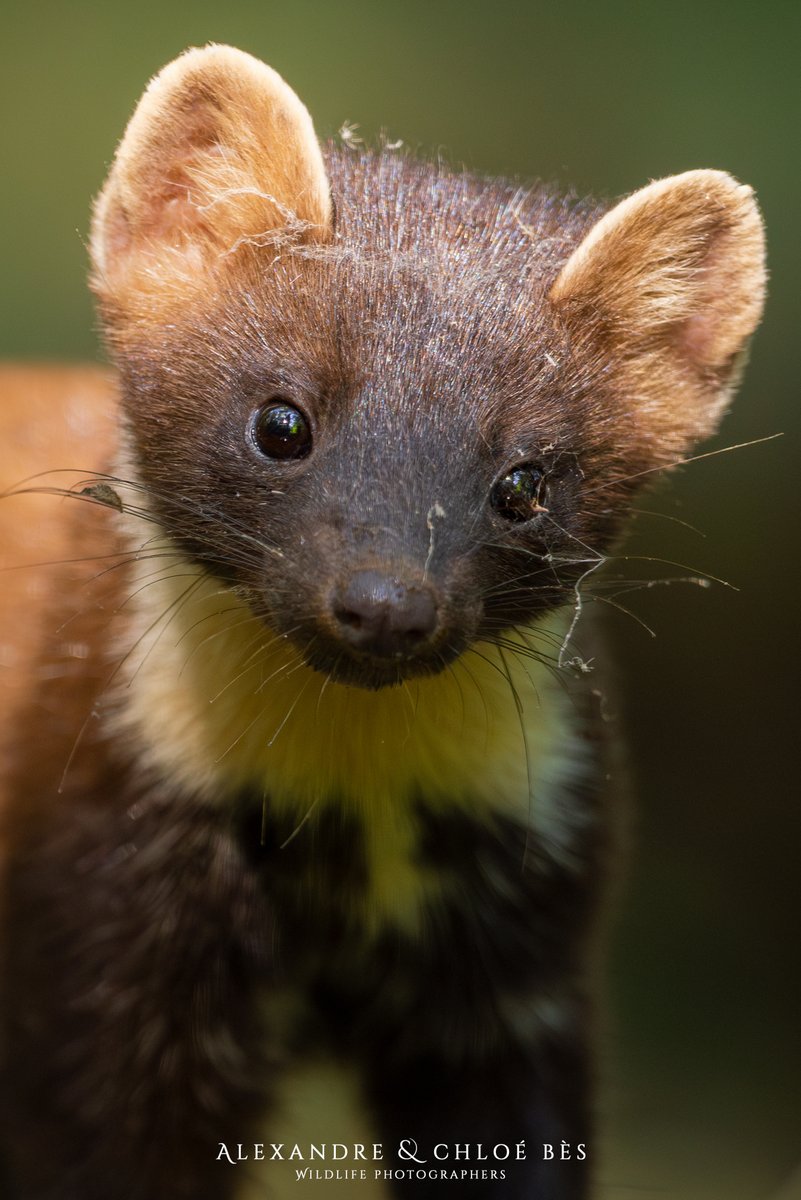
x=407 y=1150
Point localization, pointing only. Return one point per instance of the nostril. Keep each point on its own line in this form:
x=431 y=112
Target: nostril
x=348 y=618
x=416 y=618
x=416 y=635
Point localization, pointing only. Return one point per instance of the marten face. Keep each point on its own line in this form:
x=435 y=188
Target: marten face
x=384 y=467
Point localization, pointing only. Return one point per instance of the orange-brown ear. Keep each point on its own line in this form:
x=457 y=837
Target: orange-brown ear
x=219 y=151
x=668 y=286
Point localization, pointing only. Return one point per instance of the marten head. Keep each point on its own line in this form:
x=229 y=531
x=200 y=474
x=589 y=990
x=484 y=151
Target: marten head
x=399 y=409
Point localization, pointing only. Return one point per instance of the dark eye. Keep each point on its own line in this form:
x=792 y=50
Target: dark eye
x=280 y=430
x=520 y=495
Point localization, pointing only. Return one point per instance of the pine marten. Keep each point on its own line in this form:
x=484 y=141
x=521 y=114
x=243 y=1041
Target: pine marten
x=302 y=772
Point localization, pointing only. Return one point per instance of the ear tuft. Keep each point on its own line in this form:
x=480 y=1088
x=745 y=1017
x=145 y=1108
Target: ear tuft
x=218 y=152
x=672 y=281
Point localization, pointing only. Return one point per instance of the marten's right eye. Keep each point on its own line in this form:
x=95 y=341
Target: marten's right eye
x=279 y=430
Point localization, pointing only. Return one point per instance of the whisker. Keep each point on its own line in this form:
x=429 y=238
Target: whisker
x=244 y=732
x=91 y=715
x=668 y=562
x=170 y=613
x=648 y=512
x=627 y=612
x=290 y=710
x=464 y=666
x=248 y=664
x=682 y=462
x=523 y=734
x=640 y=585
x=204 y=510
x=299 y=826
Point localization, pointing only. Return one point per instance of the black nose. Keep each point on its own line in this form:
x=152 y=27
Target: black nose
x=380 y=614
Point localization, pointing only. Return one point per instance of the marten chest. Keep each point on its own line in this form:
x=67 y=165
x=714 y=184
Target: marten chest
x=486 y=910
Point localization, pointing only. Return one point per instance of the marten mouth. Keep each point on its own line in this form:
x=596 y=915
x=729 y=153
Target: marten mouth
x=372 y=673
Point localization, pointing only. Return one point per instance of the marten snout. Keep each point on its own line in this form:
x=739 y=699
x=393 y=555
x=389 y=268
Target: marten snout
x=383 y=615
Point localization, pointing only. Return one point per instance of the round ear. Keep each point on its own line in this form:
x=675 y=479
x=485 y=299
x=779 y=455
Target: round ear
x=669 y=286
x=219 y=151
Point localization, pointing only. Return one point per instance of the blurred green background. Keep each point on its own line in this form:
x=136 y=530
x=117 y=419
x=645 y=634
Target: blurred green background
x=703 y=1054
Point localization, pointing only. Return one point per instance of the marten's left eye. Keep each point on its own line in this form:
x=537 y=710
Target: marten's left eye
x=520 y=495
x=280 y=430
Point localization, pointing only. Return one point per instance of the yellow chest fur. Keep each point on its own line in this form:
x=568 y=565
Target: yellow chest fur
x=215 y=702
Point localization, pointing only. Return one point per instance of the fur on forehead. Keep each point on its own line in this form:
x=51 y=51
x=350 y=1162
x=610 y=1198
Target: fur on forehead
x=219 y=151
